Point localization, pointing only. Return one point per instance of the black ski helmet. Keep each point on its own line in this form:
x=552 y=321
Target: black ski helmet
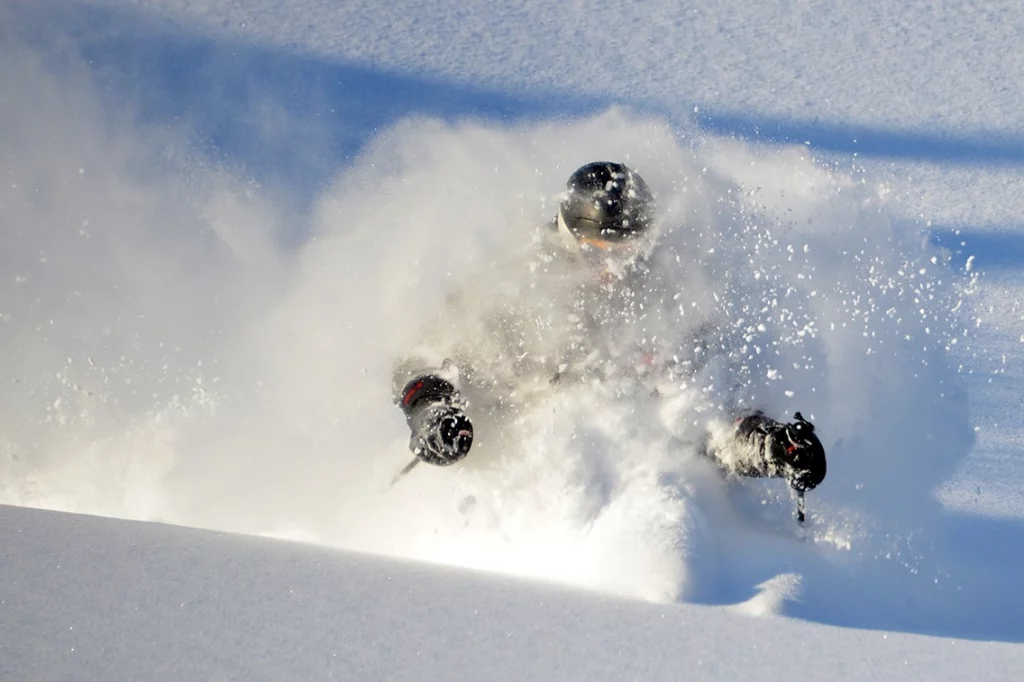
x=606 y=201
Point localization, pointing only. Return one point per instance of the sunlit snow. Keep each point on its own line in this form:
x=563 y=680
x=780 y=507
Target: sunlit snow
x=218 y=230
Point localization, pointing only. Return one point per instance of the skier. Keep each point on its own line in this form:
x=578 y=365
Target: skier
x=496 y=343
x=600 y=314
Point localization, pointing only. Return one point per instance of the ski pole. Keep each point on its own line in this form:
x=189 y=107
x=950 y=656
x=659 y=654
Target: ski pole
x=406 y=469
x=800 y=508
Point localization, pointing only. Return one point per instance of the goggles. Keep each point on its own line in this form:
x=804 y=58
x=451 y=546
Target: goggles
x=606 y=246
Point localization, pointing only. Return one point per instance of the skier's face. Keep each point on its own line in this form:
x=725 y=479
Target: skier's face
x=603 y=255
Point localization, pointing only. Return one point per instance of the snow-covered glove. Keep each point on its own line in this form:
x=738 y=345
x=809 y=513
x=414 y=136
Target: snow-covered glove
x=441 y=434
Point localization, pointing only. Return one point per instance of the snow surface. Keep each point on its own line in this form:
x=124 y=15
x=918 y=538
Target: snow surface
x=221 y=223
x=179 y=604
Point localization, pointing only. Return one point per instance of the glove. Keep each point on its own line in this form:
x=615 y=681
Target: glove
x=441 y=434
x=802 y=455
x=790 y=451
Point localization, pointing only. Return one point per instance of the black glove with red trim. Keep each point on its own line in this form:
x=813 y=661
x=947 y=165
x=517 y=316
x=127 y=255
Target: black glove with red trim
x=777 y=450
x=801 y=454
x=441 y=432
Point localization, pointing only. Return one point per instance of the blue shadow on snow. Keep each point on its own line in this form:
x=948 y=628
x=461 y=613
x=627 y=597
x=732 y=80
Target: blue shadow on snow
x=287 y=119
x=988 y=147
x=993 y=248
x=295 y=120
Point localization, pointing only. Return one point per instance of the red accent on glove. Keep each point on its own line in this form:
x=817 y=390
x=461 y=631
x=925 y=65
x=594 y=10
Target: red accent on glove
x=407 y=398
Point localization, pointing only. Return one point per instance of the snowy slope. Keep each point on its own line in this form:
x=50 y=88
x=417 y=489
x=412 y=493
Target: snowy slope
x=927 y=95
x=99 y=599
x=219 y=230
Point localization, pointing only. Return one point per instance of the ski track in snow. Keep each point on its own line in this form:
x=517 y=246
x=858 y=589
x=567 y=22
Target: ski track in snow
x=174 y=352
